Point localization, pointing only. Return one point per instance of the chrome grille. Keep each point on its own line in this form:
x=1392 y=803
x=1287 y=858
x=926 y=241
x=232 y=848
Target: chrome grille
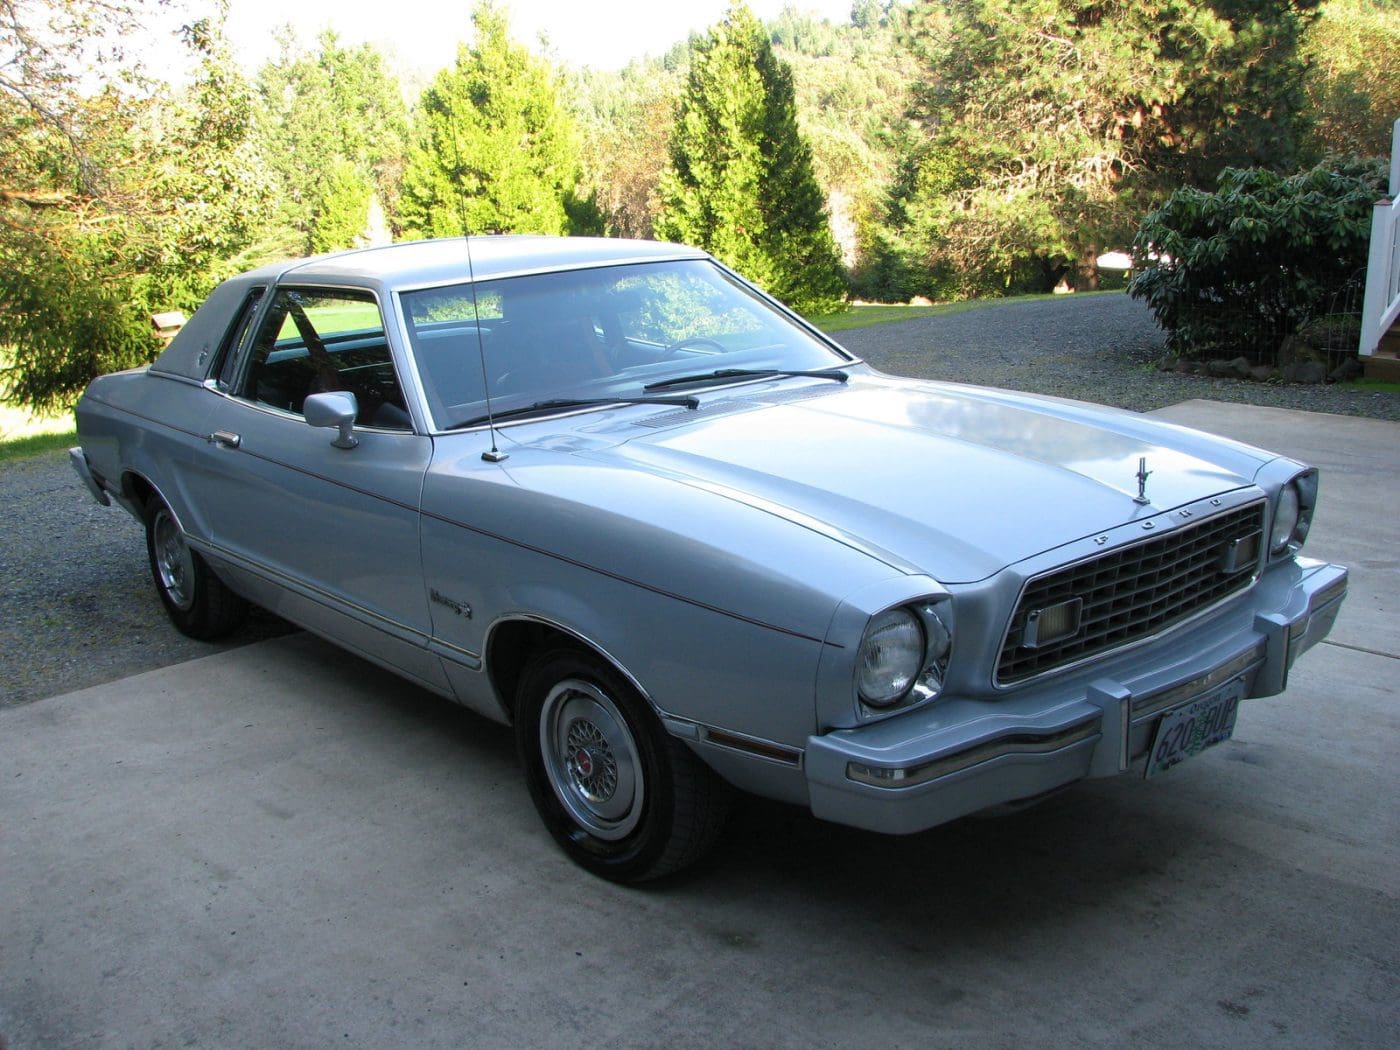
x=1134 y=592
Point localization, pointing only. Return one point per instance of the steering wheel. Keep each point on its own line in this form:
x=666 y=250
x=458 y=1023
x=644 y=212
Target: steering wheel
x=694 y=340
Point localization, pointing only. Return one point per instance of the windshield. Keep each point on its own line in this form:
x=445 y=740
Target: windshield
x=597 y=333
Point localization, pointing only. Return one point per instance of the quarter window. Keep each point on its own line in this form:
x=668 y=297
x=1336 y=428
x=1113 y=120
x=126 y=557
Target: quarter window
x=227 y=365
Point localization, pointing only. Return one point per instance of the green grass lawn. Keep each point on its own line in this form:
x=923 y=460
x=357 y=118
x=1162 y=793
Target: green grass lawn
x=12 y=448
x=1379 y=386
x=23 y=433
x=867 y=315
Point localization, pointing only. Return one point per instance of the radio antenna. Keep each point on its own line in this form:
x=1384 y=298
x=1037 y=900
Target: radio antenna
x=495 y=455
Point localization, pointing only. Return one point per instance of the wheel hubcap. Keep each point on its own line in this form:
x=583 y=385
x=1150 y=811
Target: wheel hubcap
x=174 y=562
x=591 y=759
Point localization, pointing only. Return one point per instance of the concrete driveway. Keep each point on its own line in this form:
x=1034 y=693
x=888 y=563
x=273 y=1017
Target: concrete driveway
x=282 y=846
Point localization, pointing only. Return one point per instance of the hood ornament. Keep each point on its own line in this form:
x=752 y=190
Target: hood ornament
x=1142 y=475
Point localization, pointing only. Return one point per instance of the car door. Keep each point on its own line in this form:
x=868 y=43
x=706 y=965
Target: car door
x=326 y=535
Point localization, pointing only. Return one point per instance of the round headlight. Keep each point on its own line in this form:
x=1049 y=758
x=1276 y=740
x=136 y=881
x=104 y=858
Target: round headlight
x=890 y=658
x=1285 y=518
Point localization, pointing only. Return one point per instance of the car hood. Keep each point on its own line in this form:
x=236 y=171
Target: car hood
x=957 y=482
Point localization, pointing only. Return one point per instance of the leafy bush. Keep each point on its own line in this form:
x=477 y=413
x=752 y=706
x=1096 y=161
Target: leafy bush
x=1235 y=271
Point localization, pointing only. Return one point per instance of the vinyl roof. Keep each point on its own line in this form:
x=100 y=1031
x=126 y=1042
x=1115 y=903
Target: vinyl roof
x=410 y=264
x=416 y=263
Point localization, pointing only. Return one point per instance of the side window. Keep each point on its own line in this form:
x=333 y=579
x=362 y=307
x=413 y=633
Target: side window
x=312 y=340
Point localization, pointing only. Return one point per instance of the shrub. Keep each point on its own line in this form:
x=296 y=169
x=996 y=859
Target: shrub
x=1238 y=270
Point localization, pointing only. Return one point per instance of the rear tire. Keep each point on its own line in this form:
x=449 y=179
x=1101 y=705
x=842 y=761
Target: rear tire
x=196 y=600
x=623 y=798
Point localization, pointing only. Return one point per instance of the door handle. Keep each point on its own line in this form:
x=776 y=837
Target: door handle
x=225 y=438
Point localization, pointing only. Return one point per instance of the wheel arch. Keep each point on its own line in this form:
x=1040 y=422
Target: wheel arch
x=199 y=604
x=137 y=490
x=512 y=640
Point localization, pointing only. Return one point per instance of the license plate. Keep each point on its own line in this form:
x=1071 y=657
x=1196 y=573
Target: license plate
x=1194 y=726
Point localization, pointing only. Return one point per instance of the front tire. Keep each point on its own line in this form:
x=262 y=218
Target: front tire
x=198 y=603
x=622 y=797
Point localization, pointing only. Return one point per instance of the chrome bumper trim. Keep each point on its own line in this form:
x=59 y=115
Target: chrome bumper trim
x=1021 y=744
x=1155 y=703
x=79 y=461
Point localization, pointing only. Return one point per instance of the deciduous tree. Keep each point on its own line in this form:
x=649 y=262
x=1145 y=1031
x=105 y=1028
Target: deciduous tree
x=1353 y=92
x=1070 y=119
x=117 y=200
x=852 y=94
x=624 y=124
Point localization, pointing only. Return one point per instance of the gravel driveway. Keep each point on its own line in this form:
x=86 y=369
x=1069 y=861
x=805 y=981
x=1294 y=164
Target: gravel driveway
x=77 y=595
x=80 y=609
x=1102 y=348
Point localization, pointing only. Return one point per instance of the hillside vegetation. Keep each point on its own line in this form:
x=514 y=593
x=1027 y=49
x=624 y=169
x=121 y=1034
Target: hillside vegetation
x=937 y=149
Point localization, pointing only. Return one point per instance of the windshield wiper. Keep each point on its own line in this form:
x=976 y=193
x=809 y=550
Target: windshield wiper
x=554 y=404
x=721 y=374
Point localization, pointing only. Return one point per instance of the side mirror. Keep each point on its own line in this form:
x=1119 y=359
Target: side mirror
x=336 y=408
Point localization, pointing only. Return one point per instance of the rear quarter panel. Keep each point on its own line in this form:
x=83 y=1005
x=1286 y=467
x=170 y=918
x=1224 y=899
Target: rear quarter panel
x=146 y=424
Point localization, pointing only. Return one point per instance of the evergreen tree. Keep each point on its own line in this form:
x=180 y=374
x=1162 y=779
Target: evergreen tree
x=334 y=129
x=740 y=183
x=495 y=150
x=341 y=212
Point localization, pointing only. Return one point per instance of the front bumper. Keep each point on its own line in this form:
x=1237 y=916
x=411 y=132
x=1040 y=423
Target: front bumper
x=959 y=756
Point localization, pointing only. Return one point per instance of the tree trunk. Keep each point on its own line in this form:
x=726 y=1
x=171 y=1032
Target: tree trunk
x=1087 y=278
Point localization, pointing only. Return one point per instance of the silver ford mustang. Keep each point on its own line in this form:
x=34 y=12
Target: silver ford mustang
x=610 y=494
